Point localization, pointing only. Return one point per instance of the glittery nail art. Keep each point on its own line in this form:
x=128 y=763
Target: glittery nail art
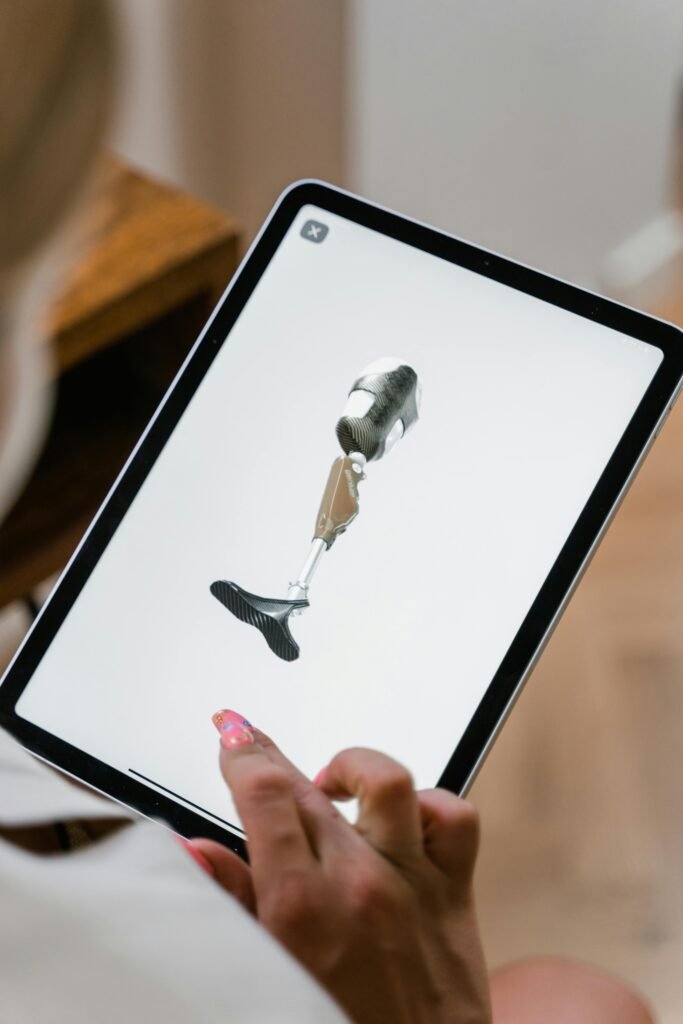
x=235 y=730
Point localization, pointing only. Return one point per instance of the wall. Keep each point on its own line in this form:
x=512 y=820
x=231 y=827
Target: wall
x=541 y=129
x=234 y=99
x=145 y=129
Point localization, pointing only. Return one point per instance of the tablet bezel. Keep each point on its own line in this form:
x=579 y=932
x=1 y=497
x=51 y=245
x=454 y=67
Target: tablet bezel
x=550 y=600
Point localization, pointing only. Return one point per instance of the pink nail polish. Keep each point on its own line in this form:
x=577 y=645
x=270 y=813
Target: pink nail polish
x=319 y=777
x=235 y=730
x=197 y=856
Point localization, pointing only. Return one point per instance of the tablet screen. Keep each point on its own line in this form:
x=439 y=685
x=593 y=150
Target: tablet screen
x=412 y=608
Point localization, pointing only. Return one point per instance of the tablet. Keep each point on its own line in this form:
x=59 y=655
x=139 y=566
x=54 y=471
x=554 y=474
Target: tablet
x=355 y=517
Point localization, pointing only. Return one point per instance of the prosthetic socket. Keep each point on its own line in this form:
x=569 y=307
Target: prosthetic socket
x=382 y=405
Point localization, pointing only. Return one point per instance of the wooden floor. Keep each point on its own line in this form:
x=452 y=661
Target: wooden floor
x=582 y=796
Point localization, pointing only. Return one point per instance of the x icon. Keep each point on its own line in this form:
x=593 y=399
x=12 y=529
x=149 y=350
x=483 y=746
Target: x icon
x=314 y=231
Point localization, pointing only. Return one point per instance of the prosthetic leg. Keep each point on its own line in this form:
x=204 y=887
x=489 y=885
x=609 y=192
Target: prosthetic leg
x=382 y=405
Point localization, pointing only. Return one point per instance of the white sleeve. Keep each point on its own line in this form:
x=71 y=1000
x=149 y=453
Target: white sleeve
x=130 y=928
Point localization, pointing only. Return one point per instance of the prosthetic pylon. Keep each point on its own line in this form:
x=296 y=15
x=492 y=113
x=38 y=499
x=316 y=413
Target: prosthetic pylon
x=382 y=405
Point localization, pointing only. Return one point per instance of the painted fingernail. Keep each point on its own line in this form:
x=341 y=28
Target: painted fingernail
x=235 y=730
x=197 y=856
x=317 y=781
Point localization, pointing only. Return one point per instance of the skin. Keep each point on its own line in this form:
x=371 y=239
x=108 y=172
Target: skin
x=564 y=992
x=354 y=938
x=382 y=912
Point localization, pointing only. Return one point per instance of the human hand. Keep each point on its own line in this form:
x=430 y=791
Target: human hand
x=380 y=912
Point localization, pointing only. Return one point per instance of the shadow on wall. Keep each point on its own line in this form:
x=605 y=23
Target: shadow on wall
x=540 y=129
x=260 y=98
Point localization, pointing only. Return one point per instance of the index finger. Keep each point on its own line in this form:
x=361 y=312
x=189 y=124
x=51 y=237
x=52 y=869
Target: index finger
x=264 y=796
x=328 y=832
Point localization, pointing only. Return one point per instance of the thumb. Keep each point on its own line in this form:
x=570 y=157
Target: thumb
x=230 y=871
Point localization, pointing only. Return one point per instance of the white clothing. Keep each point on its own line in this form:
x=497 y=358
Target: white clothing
x=130 y=928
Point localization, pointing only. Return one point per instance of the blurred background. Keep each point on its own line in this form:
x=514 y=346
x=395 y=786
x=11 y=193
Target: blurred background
x=548 y=131
x=543 y=130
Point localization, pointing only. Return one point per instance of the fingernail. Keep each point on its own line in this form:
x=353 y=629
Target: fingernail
x=197 y=856
x=319 y=777
x=235 y=730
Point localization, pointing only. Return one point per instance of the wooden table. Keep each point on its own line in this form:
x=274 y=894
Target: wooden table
x=154 y=262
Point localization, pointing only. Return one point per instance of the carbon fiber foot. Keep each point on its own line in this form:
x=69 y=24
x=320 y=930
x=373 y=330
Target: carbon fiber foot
x=268 y=614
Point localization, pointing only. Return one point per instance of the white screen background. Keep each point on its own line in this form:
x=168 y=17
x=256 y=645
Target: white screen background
x=414 y=607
